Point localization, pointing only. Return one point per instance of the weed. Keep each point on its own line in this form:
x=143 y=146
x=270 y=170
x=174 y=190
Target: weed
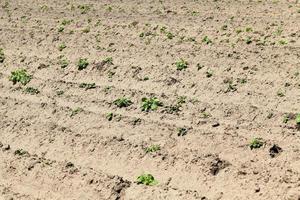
x=21 y=76
x=147 y=179
x=249 y=29
x=181 y=100
x=87 y=86
x=84 y=8
x=182 y=131
x=66 y=22
x=82 y=63
x=60 y=92
x=206 y=40
x=86 y=30
x=282 y=42
x=61 y=29
x=286 y=118
x=298 y=119
x=248 y=40
x=209 y=73
x=170 y=35
x=256 y=143
x=64 y=63
x=32 y=90
x=108 y=60
x=2 y=56
x=21 y=152
x=76 y=111
x=181 y=64
x=109 y=116
x=122 y=102
x=280 y=93
x=150 y=104
x=152 y=148
x=62 y=46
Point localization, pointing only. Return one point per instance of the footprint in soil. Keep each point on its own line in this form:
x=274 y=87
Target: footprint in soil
x=275 y=150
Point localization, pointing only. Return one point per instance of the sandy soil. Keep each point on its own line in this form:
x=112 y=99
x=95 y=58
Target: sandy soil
x=241 y=82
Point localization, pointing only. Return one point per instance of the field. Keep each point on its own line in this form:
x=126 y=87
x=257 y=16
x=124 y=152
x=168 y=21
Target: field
x=153 y=99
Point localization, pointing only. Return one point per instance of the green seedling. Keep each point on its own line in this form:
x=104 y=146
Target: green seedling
x=62 y=46
x=61 y=29
x=108 y=60
x=76 y=111
x=21 y=152
x=147 y=179
x=280 y=93
x=282 y=42
x=20 y=76
x=66 y=22
x=86 y=30
x=182 y=131
x=181 y=100
x=181 y=64
x=286 y=118
x=32 y=90
x=256 y=143
x=122 y=102
x=248 y=40
x=82 y=63
x=64 y=63
x=84 y=8
x=249 y=29
x=209 y=73
x=87 y=86
x=206 y=40
x=152 y=148
x=2 y=56
x=109 y=116
x=150 y=104
x=170 y=35
x=298 y=119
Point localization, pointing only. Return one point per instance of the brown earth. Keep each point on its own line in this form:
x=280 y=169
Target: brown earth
x=241 y=82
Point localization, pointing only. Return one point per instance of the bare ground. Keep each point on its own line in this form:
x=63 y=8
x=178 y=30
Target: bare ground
x=241 y=82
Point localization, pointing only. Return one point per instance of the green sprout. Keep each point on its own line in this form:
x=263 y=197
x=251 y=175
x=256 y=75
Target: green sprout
x=147 y=179
x=122 y=102
x=150 y=104
x=256 y=143
x=21 y=76
x=152 y=148
x=181 y=64
x=82 y=63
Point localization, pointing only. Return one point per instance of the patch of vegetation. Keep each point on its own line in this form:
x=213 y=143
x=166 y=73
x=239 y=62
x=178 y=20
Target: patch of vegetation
x=286 y=118
x=82 y=63
x=61 y=29
x=122 y=102
x=256 y=143
x=87 y=86
x=182 y=131
x=181 y=64
x=108 y=60
x=32 y=90
x=152 y=148
x=109 y=116
x=84 y=8
x=86 y=30
x=64 y=63
x=2 y=56
x=20 y=76
x=147 y=179
x=209 y=73
x=62 y=46
x=150 y=104
x=206 y=40
x=280 y=93
x=298 y=119
x=248 y=40
x=170 y=35
x=76 y=111
x=282 y=42
x=66 y=22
